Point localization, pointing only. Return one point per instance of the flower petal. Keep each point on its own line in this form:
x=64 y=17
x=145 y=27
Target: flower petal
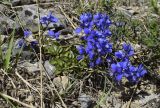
x=78 y=30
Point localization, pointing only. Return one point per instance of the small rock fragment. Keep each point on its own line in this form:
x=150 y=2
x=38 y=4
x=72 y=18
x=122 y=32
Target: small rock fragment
x=50 y=69
x=61 y=83
x=30 y=98
x=85 y=100
x=30 y=67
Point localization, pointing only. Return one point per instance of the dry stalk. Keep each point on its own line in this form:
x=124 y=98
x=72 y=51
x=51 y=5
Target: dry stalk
x=129 y=102
x=26 y=82
x=74 y=27
x=13 y=99
x=9 y=78
x=40 y=61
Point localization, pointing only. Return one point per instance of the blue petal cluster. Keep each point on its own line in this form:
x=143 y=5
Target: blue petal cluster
x=22 y=43
x=124 y=68
x=53 y=34
x=27 y=33
x=96 y=46
x=48 y=19
x=96 y=43
x=127 y=52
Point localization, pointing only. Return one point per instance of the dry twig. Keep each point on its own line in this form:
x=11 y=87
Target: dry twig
x=13 y=99
x=74 y=27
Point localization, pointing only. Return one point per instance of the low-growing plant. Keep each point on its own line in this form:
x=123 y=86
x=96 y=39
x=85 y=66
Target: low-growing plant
x=96 y=49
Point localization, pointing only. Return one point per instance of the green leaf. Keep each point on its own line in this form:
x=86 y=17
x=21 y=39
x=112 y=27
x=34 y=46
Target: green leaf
x=1 y=56
x=9 y=52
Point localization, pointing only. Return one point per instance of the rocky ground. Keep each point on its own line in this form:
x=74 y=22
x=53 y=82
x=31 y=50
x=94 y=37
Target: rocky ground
x=23 y=84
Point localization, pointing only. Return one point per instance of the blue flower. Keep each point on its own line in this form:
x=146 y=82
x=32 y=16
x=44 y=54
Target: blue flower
x=90 y=38
x=107 y=32
x=102 y=22
x=128 y=49
x=33 y=43
x=108 y=47
x=48 y=18
x=120 y=54
x=141 y=70
x=57 y=35
x=96 y=30
x=89 y=47
x=86 y=23
x=81 y=50
x=125 y=69
x=108 y=22
x=86 y=20
x=44 y=20
x=109 y=59
x=87 y=31
x=116 y=71
x=113 y=67
x=91 y=55
x=91 y=64
x=52 y=34
x=27 y=33
x=119 y=77
x=80 y=57
x=119 y=69
x=78 y=30
x=52 y=18
x=97 y=16
x=98 y=61
x=97 y=47
x=86 y=17
x=20 y=43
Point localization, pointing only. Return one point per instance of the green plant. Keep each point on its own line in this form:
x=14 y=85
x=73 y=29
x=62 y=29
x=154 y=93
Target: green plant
x=154 y=4
x=7 y=53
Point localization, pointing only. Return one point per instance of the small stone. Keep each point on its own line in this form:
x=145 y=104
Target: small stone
x=61 y=83
x=15 y=2
x=50 y=69
x=30 y=98
x=85 y=100
x=30 y=67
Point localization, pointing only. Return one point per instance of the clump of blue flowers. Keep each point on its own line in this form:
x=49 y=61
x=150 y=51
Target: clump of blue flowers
x=27 y=39
x=96 y=38
x=50 y=19
x=97 y=47
x=28 y=36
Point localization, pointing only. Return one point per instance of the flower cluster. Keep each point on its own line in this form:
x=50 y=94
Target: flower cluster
x=27 y=37
x=53 y=34
x=124 y=68
x=20 y=43
x=46 y=20
x=97 y=48
x=127 y=70
x=96 y=32
x=28 y=34
x=127 y=52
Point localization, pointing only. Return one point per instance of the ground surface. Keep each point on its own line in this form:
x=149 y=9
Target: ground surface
x=21 y=87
